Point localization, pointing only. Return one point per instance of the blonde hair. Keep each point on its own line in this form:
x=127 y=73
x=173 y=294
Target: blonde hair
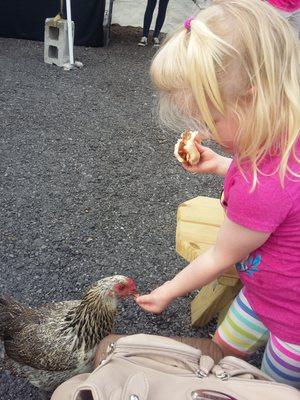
x=238 y=56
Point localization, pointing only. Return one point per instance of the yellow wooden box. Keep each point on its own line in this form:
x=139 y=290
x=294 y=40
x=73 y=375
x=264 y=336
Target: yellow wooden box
x=198 y=222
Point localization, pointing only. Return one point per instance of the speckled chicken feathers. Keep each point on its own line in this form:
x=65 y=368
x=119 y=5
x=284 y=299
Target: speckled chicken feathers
x=56 y=341
x=51 y=349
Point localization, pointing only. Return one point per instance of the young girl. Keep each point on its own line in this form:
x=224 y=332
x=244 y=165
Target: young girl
x=235 y=70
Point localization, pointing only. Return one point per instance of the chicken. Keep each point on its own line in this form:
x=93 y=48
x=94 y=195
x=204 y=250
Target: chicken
x=56 y=341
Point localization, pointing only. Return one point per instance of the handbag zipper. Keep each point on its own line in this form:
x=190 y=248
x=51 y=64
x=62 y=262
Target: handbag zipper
x=248 y=367
x=258 y=381
x=193 y=357
x=226 y=375
x=185 y=375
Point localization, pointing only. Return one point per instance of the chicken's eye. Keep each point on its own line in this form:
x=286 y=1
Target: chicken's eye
x=121 y=286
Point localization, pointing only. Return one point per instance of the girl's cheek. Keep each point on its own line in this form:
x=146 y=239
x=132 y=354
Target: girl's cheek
x=225 y=137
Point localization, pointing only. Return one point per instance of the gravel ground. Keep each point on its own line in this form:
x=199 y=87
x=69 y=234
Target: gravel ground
x=89 y=185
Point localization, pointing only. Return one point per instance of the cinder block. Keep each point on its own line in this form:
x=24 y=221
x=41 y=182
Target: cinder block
x=56 y=45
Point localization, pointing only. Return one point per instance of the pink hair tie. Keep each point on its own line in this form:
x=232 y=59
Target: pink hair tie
x=187 y=23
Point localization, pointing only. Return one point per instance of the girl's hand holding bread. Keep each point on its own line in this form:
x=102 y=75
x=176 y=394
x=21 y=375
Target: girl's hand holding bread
x=197 y=158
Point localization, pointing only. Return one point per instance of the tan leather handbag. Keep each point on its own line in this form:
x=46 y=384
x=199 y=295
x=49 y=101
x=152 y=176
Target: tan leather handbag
x=148 y=367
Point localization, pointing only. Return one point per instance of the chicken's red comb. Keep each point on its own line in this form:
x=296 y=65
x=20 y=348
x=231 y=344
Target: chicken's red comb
x=128 y=288
x=130 y=282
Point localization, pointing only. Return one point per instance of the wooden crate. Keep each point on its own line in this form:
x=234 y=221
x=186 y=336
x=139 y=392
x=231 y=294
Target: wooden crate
x=198 y=222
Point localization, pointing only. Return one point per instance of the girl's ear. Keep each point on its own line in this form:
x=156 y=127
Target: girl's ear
x=248 y=96
x=250 y=92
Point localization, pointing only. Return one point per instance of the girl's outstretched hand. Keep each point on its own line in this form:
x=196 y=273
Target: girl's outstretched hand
x=210 y=162
x=157 y=300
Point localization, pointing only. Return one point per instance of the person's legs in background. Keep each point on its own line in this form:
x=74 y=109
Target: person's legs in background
x=147 y=21
x=282 y=361
x=162 y=9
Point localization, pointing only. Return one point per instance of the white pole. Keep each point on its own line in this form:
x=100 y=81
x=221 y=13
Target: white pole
x=70 y=32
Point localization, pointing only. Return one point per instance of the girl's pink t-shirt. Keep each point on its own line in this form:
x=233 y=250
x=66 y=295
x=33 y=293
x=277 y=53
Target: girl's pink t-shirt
x=286 y=5
x=271 y=273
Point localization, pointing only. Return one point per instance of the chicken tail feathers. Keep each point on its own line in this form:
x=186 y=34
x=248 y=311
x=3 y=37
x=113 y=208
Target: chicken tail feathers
x=10 y=311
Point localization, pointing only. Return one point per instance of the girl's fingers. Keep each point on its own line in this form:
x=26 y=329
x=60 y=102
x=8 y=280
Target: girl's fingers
x=145 y=299
x=191 y=168
x=201 y=148
x=148 y=305
x=202 y=167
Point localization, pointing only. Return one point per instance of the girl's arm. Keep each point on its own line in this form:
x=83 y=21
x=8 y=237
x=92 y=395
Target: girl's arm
x=234 y=243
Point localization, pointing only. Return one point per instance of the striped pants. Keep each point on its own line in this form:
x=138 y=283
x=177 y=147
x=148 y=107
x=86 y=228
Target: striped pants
x=243 y=333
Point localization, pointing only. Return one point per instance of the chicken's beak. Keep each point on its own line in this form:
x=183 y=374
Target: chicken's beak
x=134 y=294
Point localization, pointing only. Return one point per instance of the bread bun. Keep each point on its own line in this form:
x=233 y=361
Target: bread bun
x=185 y=149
